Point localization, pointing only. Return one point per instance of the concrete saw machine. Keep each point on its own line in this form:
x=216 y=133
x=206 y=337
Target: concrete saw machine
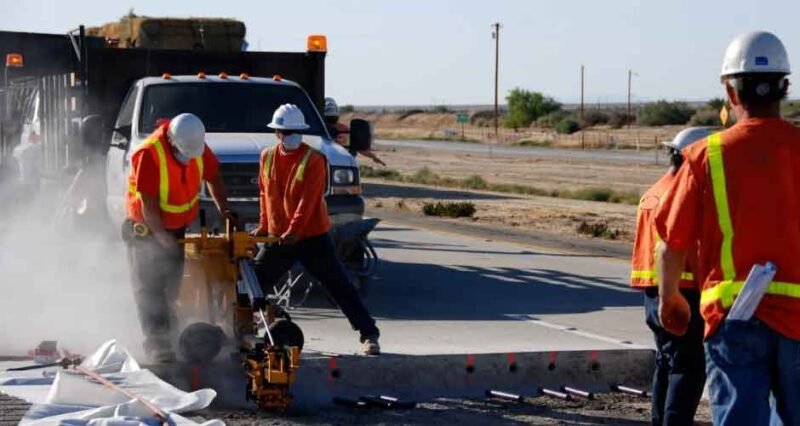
x=221 y=297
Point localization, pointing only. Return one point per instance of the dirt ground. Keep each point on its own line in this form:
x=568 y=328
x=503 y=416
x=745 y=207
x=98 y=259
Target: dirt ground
x=606 y=409
x=556 y=215
x=431 y=125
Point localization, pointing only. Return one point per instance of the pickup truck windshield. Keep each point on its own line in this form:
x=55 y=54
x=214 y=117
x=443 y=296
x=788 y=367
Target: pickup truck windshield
x=225 y=107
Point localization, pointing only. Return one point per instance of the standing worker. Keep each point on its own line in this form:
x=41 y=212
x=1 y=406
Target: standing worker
x=167 y=173
x=293 y=180
x=680 y=364
x=341 y=131
x=738 y=197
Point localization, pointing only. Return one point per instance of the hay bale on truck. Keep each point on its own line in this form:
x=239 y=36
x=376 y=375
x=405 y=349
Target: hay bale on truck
x=214 y=34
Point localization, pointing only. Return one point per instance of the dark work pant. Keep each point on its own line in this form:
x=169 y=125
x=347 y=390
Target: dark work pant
x=680 y=364
x=156 y=275
x=318 y=257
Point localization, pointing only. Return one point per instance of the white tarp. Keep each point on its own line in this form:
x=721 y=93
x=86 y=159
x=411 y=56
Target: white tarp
x=62 y=397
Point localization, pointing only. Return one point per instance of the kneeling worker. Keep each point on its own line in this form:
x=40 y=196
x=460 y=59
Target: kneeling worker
x=680 y=361
x=292 y=182
x=167 y=172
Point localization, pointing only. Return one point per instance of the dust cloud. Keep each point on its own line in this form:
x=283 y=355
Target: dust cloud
x=60 y=278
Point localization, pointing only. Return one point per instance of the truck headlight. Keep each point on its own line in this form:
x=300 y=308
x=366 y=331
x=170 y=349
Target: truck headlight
x=344 y=176
x=344 y=181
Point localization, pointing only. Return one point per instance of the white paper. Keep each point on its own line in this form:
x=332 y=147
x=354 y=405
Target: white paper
x=755 y=286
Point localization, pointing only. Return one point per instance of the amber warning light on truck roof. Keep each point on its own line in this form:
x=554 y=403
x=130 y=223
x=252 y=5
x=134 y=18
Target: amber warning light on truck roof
x=14 y=60
x=317 y=43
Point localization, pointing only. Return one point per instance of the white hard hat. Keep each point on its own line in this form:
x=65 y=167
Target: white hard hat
x=288 y=117
x=331 y=109
x=689 y=136
x=755 y=52
x=188 y=134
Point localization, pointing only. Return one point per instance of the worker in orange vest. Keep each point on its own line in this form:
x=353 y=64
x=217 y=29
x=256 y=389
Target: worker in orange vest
x=293 y=180
x=680 y=374
x=738 y=196
x=163 y=197
x=341 y=131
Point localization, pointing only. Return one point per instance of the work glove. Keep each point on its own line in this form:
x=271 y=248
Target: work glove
x=288 y=239
x=674 y=313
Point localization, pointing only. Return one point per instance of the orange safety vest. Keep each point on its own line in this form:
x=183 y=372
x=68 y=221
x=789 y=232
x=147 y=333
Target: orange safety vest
x=780 y=307
x=179 y=185
x=643 y=262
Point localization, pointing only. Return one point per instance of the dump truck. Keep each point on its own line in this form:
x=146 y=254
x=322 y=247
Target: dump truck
x=91 y=103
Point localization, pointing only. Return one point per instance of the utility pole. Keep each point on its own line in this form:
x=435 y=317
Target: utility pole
x=583 y=144
x=496 y=37
x=630 y=73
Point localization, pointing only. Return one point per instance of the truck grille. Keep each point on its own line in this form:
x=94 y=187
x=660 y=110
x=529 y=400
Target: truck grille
x=241 y=179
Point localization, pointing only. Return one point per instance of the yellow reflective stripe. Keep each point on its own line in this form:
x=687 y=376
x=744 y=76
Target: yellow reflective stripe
x=163 y=186
x=268 y=164
x=301 y=170
x=726 y=292
x=653 y=275
x=717 y=166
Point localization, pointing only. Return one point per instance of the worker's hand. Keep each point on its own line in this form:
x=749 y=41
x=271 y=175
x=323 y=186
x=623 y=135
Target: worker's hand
x=166 y=240
x=231 y=216
x=674 y=313
x=260 y=231
x=288 y=239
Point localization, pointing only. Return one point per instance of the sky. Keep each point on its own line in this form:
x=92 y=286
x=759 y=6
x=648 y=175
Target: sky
x=441 y=52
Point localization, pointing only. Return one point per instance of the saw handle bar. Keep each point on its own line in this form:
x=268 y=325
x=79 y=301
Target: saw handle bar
x=255 y=240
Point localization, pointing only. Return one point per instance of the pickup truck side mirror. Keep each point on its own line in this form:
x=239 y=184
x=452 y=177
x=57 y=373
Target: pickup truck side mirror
x=91 y=132
x=125 y=132
x=360 y=135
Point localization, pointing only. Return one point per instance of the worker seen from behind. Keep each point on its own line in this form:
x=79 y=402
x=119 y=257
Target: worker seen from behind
x=737 y=195
x=341 y=132
x=167 y=173
x=680 y=374
x=293 y=180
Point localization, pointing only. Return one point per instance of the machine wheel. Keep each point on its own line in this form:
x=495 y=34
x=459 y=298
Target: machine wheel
x=286 y=333
x=201 y=342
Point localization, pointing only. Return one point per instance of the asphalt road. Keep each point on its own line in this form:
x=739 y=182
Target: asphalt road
x=643 y=157
x=440 y=293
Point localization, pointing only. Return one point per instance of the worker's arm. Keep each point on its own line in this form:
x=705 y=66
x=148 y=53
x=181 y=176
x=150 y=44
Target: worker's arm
x=263 y=222
x=216 y=187
x=372 y=156
x=152 y=218
x=310 y=199
x=678 y=222
x=673 y=308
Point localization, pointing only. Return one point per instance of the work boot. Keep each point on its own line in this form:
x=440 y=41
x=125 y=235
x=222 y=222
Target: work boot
x=370 y=346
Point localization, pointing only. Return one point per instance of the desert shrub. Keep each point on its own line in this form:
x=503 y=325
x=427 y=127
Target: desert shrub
x=475 y=182
x=567 y=126
x=441 y=109
x=598 y=230
x=594 y=117
x=618 y=119
x=790 y=109
x=551 y=120
x=535 y=143
x=389 y=174
x=663 y=113
x=449 y=209
x=425 y=176
x=344 y=109
x=716 y=104
x=524 y=107
x=705 y=117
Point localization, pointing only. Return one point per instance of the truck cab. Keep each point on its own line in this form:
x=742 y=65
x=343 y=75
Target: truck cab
x=235 y=111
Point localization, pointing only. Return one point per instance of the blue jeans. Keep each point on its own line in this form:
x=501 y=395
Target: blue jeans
x=680 y=365
x=746 y=361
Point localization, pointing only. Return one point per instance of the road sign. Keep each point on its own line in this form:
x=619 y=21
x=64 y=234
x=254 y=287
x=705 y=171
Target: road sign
x=723 y=116
x=462 y=118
